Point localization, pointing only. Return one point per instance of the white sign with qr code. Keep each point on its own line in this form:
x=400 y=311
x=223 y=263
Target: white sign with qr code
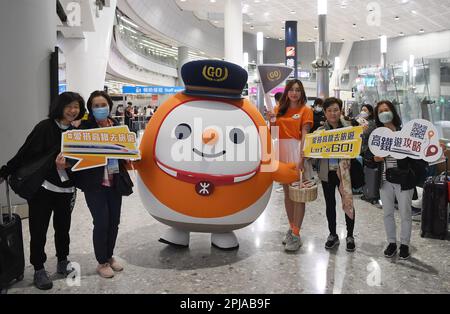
x=418 y=139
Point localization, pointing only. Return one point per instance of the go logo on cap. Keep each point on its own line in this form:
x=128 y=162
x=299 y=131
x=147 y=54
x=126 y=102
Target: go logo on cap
x=215 y=74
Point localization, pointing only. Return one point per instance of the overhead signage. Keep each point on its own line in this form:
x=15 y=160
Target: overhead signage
x=161 y=90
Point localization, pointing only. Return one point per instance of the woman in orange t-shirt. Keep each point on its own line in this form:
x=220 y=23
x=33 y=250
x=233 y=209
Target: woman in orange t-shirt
x=294 y=119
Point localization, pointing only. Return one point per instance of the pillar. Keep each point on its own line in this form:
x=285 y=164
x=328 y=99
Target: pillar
x=322 y=64
x=233 y=32
x=353 y=75
x=87 y=59
x=28 y=36
x=435 y=79
x=183 y=57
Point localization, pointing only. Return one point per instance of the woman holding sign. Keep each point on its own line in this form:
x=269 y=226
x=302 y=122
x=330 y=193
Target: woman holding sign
x=398 y=179
x=294 y=119
x=103 y=189
x=54 y=191
x=336 y=173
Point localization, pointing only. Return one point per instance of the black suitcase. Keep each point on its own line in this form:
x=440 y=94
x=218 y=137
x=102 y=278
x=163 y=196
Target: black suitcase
x=371 y=188
x=435 y=207
x=12 y=260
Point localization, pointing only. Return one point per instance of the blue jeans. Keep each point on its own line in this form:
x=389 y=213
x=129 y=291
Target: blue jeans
x=105 y=205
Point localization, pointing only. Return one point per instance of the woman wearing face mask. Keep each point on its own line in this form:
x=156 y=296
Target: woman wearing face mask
x=398 y=179
x=294 y=119
x=319 y=115
x=56 y=192
x=336 y=173
x=366 y=119
x=103 y=189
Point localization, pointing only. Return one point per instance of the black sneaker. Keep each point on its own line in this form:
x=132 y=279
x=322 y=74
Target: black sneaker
x=332 y=241
x=404 y=252
x=64 y=268
x=391 y=250
x=350 y=244
x=42 y=280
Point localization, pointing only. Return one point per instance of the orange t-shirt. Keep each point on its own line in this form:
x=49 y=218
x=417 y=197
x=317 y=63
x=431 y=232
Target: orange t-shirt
x=291 y=123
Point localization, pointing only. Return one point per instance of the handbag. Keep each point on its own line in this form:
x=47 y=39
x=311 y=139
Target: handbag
x=27 y=180
x=356 y=174
x=124 y=185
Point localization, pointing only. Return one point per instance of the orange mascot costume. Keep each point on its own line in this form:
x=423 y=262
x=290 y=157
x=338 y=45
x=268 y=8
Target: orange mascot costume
x=207 y=163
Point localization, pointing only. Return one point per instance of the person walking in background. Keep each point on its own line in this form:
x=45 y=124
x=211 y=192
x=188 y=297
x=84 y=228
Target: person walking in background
x=319 y=115
x=367 y=121
x=277 y=98
x=129 y=115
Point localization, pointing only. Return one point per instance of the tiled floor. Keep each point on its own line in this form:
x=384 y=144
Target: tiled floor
x=259 y=266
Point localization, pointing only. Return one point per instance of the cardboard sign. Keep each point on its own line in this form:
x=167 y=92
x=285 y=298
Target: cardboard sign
x=342 y=143
x=93 y=147
x=418 y=140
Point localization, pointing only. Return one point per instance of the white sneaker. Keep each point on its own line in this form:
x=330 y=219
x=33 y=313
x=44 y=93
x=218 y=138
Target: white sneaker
x=287 y=237
x=294 y=244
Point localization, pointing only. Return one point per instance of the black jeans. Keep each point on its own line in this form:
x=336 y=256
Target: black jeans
x=329 y=191
x=104 y=205
x=41 y=207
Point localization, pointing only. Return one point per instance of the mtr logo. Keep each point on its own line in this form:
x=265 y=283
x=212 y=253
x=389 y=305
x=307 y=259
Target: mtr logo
x=274 y=75
x=215 y=74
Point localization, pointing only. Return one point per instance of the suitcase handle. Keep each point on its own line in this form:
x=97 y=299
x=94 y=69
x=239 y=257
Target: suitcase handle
x=8 y=200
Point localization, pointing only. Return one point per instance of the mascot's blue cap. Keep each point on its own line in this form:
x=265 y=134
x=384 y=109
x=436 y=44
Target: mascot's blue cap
x=213 y=78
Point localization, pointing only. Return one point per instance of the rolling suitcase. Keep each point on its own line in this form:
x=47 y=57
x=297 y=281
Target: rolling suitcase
x=12 y=261
x=371 y=188
x=435 y=207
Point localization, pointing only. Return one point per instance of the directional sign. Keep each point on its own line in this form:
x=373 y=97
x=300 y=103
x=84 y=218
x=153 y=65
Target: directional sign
x=93 y=147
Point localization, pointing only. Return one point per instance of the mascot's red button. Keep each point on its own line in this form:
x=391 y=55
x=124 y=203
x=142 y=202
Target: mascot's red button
x=204 y=188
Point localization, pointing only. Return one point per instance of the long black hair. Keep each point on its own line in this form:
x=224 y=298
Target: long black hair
x=56 y=110
x=284 y=101
x=396 y=121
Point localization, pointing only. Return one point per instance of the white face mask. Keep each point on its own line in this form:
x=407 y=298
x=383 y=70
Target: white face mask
x=364 y=115
x=318 y=109
x=386 y=117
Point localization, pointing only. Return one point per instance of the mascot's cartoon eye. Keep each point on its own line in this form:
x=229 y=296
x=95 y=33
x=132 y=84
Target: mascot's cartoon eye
x=183 y=131
x=237 y=136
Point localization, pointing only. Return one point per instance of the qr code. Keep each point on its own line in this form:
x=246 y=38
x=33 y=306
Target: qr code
x=418 y=131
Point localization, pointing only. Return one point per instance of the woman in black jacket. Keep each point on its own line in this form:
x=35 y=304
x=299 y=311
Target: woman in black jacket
x=56 y=192
x=103 y=189
x=398 y=179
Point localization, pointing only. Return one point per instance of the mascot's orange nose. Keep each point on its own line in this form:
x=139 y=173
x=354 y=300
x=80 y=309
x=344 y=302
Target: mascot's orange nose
x=210 y=136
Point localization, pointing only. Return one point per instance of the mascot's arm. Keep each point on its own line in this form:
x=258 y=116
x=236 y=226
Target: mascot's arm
x=286 y=173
